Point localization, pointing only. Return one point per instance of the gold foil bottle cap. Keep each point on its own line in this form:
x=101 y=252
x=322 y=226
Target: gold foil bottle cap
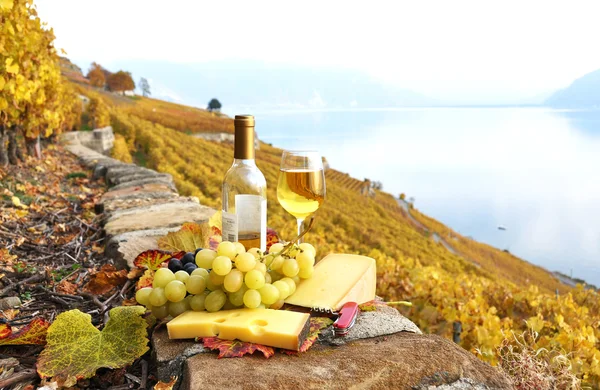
x=244 y=137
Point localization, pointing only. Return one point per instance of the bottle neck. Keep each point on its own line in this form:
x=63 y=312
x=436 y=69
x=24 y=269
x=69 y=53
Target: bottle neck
x=244 y=143
x=250 y=162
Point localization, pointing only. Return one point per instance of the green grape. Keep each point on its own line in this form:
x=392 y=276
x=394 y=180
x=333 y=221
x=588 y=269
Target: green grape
x=306 y=273
x=276 y=248
x=296 y=279
x=269 y=294
x=291 y=284
x=157 y=297
x=305 y=260
x=306 y=247
x=277 y=305
x=268 y=278
x=261 y=306
x=215 y=300
x=275 y=276
x=196 y=284
x=245 y=262
x=252 y=299
x=221 y=265
x=182 y=276
x=293 y=252
x=256 y=252
x=261 y=267
x=205 y=257
x=188 y=299
x=211 y=286
x=142 y=296
x=283 y=287
x=160 y=312
x=197 y=302
x=229 y=306
x=237 y=298
x=175 y=291
x=277 y=263
x=216 y=279
x=233 y=281
x=176 y=308
x=227 y=249
x=254 y=279
x=201 y=272
x=290 y=268
x=162 y=277
x=239 y=248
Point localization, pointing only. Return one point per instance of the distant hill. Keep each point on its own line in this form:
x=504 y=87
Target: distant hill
x=258 y=85
x=582 y=93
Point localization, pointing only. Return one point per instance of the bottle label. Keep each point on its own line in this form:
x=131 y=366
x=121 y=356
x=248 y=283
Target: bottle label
x=230 y=227
x=251 y=211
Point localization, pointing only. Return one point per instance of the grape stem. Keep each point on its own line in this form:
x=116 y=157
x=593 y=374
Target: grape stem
x=290 y=244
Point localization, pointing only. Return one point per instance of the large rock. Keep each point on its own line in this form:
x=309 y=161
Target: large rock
x=164 y=180
x=145 y=191
x=111 y=206
x=156 y=216
x=136 y=176
x=398 y=361
x=124 y=248
x=393 y=354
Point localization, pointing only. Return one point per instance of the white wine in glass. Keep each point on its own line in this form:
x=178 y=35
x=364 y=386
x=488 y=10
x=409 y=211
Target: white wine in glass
x=301 y=186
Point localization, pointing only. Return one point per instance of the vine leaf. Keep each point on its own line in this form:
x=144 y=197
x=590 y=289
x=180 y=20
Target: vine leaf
x=236 y=348
x=317 y=324
x=32 y=333
x=190 y=237
x=75 y=349
x=153 y=259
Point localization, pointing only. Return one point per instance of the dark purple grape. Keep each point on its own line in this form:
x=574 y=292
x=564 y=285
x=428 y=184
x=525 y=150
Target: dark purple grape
x=175 y=265
x=189 y=267
x=188 y=258
x=197 y=250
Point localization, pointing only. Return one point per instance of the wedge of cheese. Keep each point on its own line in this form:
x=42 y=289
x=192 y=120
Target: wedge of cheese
x=276 y=328
x=337 y=279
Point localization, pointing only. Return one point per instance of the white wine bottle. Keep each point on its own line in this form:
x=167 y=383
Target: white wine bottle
x=245 y=192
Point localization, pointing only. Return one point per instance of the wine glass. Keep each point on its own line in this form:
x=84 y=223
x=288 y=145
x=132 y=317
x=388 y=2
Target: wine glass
x=301 y=186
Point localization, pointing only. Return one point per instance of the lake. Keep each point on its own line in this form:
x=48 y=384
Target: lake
x=531 y=170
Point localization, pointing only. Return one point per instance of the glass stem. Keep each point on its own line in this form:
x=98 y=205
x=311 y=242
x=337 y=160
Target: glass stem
x=300 y=221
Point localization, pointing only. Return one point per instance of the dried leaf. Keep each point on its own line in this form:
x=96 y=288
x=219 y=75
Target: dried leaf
x=235 y=348
x=135 y=273
x=32 y=333
x=146 y=280
x=66 y=287
x=166 y=385
x=317 y=324
x=272 y=237
x=6 y=257
x=105 y=280
x=373 y=305
x=154 y=258
x=190 y=237
x=76 y=349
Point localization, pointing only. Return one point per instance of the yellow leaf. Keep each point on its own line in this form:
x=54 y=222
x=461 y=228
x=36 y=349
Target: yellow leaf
x=2 y=83
x=75 y=349
x=10 y=67
x=16 y=201
x=190 y=237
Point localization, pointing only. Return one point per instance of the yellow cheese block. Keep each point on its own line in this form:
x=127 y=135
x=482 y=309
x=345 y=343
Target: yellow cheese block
x=276 y=328
x=337 y=279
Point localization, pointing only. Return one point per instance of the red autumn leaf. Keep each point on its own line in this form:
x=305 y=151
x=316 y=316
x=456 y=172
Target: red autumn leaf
x=317 y=324
x=105 y=280
x=153 y=259
x=146 y=280
x=272 y=237
x=32 y=333
x=236 y=348
x=373 y=305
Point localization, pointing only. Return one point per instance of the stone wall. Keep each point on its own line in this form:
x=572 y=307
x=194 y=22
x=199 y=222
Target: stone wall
x=99 y=140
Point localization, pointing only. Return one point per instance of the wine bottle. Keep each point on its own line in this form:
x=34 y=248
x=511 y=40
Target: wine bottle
x=245 y=191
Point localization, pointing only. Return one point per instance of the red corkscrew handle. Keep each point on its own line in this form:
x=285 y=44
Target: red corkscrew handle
x=346 y=316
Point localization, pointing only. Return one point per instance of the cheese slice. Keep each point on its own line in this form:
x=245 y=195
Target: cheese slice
x=337 y=279
x=276 y=328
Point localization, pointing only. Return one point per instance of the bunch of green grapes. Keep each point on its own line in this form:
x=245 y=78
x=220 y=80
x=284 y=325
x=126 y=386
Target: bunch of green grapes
x=229 y=278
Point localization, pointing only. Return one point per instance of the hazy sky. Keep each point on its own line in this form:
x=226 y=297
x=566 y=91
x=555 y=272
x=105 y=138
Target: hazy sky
x=457 y=50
